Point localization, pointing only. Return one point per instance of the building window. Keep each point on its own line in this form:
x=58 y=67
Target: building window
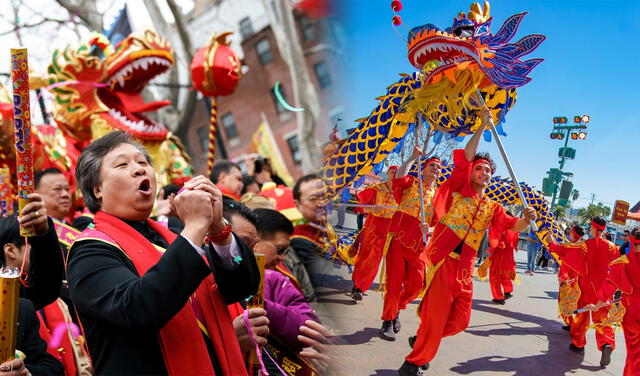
x=308 y=29
x=229 y=125
x=246 y=30
x=279 y=107
x=295 y=149
x=264 y=51
x=203 y=134
x=322 y=74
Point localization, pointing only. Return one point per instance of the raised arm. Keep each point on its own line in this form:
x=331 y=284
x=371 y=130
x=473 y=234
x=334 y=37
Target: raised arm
x=472 y=145
x=529 y=215
x=406 y=166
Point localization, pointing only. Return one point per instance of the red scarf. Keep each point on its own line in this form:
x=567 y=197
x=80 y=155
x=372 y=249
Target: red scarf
x=183 y=347
x=227 y=193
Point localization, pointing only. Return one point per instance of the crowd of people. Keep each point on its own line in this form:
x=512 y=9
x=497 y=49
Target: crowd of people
x=171 y=285
x=430 y=239
x=217 y=276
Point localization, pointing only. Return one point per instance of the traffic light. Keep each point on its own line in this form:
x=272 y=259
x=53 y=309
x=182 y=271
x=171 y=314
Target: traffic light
x=556 y=136
x=574 y=136
x=582 y=135
x=586 y=118
x=563 y=120
x=577 y=119
x=556 y=120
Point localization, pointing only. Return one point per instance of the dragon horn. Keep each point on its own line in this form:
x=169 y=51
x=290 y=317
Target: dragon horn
x=486 y=12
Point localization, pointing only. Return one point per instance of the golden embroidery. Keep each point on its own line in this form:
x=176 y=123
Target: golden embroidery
x=290 y=366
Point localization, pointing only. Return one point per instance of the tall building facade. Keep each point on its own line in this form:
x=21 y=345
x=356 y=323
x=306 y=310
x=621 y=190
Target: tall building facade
x=255 y=98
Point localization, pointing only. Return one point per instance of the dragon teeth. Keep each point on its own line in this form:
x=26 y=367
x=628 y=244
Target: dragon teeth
x=139 y=126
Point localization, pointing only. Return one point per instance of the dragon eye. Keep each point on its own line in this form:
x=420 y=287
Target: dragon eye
x=463 y=32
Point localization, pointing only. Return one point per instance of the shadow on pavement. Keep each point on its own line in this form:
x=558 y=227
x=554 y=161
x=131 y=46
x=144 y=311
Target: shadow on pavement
x=360 y=337
x=557 y=360
x=337 y=301
x=385 y=372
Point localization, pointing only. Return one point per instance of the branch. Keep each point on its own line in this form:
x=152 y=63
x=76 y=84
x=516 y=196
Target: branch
x=86 y=11
x=26 y=26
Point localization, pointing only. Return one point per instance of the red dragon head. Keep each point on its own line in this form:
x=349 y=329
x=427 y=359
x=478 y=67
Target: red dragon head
x=97 y=87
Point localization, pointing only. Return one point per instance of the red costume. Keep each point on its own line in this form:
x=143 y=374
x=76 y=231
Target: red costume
x=503 y=266
x=405 y=269
x=462 y=219
x=70 y=352
x=566 y=276
x=373 y=237
x=623 y=276
x=589 y=260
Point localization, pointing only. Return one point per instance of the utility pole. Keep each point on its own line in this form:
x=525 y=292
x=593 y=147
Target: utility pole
x=562 y=130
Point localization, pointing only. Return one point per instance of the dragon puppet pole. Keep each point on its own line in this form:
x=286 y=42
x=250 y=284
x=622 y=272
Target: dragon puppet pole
x=506 y=159
x=426 y=141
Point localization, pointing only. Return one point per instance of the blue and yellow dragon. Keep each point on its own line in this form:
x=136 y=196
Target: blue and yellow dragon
x=452 y=65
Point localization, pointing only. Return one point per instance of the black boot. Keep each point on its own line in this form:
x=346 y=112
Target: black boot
x=605 y=359
x=576 y=349
x=356 y=294
x=386 y=332
x=566 y=327
x=508 y=295
x=410 y=369
x=396 y=324
x=498 y=301
x=412 y=340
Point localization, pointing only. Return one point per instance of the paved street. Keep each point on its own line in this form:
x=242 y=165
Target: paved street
x=523 y=337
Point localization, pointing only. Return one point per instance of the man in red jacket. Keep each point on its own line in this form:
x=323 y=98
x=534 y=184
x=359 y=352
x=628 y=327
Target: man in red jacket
x=623 y=277
x=462 y=214
x=567 y=277
x=373 y=237
x=405 y=268
x=590 y=261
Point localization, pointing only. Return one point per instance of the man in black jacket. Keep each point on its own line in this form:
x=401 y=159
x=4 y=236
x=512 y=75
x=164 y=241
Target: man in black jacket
x=133 y=282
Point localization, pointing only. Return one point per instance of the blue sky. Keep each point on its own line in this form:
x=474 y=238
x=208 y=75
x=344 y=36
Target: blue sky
x=591 y=67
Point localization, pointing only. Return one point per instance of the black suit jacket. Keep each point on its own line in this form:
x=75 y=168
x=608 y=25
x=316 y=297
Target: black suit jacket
x=38 y=360
x=122 y=312
x=46 y=271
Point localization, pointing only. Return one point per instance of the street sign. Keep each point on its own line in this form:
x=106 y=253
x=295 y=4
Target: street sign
x=569 y=153
x=565 y=190
x=620 y=211
x=548 y=187
x=555 y=175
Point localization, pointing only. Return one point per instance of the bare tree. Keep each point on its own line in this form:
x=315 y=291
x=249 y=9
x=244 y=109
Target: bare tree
x=187 y=112
x=86 y=10
x=304 y=92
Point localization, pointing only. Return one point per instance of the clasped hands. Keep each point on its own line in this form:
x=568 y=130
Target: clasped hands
x=199 y=205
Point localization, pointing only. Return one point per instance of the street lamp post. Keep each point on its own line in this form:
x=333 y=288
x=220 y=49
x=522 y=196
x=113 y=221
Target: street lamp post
x=562 y=130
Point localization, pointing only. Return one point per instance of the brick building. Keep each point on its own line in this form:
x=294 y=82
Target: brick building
x=241 y=113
